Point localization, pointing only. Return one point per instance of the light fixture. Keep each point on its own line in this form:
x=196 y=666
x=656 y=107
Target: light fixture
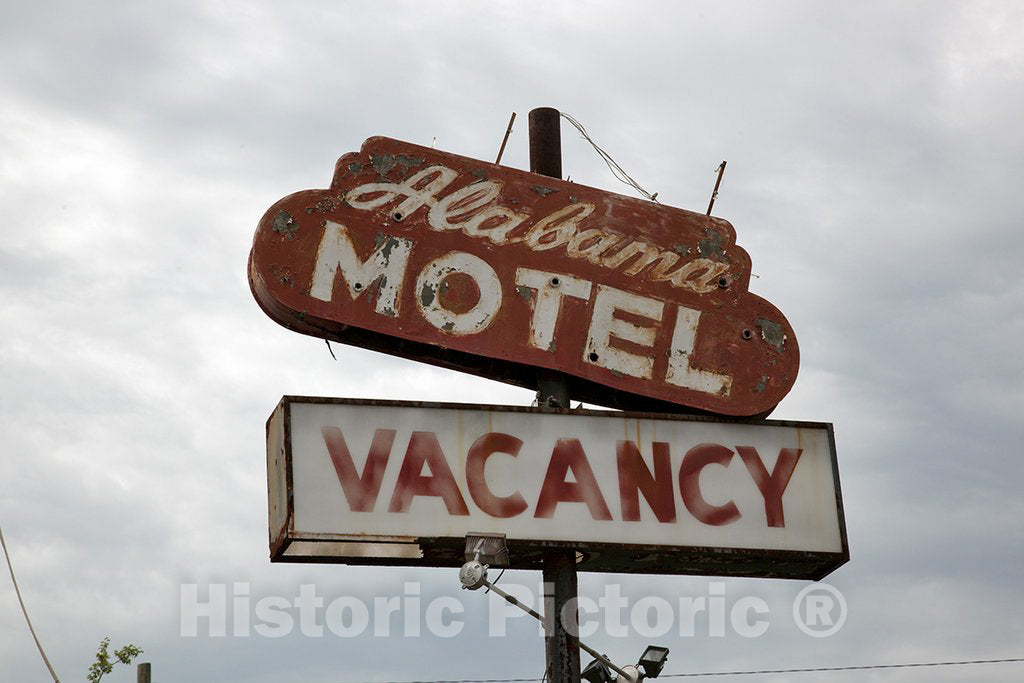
x=597 y=672
x=484 y=550
x=489 y=549
x=652 y=661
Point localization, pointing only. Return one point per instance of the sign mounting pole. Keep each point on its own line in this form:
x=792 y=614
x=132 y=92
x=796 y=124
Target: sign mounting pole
x=546 y=159
x=560 y=581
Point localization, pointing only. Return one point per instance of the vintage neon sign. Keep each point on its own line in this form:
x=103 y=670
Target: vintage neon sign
x=498 y=272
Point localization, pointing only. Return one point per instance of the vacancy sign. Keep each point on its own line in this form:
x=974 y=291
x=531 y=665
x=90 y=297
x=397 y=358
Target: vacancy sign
x=400 y=483
x=498 y=272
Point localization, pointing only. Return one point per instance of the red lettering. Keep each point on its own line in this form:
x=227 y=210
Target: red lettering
x=483 y=448
x=636 y=478
x=695 y=460
x=360 y=490
x=568 y=455
x=771 y=486
x=424 y=449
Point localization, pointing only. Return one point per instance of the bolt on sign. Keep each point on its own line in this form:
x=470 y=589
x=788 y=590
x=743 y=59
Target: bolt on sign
x=401 y=483
x=498 y=272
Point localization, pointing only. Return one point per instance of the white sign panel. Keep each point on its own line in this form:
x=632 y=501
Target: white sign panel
x=404 y=483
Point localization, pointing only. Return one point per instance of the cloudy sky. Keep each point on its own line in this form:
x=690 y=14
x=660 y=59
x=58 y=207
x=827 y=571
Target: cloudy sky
x=874 y=169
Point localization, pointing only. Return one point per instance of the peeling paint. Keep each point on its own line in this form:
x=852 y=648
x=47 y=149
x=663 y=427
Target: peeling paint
x=543 y=191
x=762 y=384
x=772 y=333
x=711 y=246
x=427 y=295
x=325 y=205
x=525 y=292
x=284 y=224
x=407 y=161
x=382 y=163
x=355 y=167
x=479 y=174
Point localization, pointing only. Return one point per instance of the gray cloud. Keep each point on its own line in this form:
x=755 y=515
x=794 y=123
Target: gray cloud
x=874 y=153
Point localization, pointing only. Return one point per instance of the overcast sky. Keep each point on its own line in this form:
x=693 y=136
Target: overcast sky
x=875 y=155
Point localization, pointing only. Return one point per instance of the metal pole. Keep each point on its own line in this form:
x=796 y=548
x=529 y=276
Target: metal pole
x=560 y=585
x=560 y=588
x=144 y=673
x=718 y=182
x=546 y=142
x=546 y=159
x=536 y=615
x=504 y=140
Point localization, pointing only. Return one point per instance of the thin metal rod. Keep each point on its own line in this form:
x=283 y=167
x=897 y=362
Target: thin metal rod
x=533 y=613
x=504 y=140
x=714 y=193
x=24 y=611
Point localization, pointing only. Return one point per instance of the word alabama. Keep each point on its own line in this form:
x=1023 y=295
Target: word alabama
x=372 y=481
x=499 y=272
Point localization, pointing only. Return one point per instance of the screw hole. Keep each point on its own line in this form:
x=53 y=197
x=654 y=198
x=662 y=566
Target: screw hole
x=723 y=282
x=397 y=215
x=592 y=357
x=358 y=286
x=747 y=334
x=555 y=282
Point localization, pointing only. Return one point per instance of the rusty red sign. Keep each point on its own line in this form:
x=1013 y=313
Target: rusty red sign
x=499 y=272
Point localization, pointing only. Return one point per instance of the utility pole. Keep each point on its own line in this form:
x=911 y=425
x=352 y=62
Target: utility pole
x=560 y=582
x=144 y=673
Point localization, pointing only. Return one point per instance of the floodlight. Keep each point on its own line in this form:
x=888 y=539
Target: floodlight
x=597 y=672
x=652 y=661
x=489 y=549
x=482 y=551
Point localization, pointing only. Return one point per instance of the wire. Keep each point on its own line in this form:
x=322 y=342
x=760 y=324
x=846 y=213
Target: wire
x=761 y=672
x=24 y=611
x=617 y=171
x=495 y=582
x=863 y=667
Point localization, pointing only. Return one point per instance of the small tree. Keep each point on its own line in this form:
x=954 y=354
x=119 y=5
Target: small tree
x=104 y=664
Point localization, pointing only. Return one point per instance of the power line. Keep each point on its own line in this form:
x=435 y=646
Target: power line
x=617 y=171
x=17 y=591
x=863 y=667
x=760 y=672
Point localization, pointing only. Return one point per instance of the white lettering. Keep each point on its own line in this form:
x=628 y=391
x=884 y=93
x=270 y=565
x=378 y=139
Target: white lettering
x=557 y=228
x=462 y=204
x=431 y=283
x=385 y=265
x=418 y=189
x=680 y=372
x=475 y=209
x=604 y=325
x=547 y=304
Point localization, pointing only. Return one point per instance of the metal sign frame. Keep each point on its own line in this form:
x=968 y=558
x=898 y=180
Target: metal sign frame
x=287 y=544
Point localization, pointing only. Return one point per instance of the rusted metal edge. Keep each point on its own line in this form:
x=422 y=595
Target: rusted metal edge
x=654 y=415
x=613 y=558
x=279 y=543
